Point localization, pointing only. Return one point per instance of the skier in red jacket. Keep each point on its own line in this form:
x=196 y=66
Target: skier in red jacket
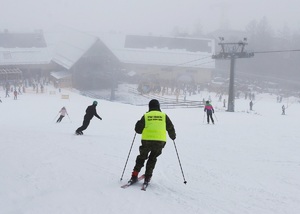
x=209 y=111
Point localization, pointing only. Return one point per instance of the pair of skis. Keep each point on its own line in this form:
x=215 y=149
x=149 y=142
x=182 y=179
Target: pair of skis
x=144 y=186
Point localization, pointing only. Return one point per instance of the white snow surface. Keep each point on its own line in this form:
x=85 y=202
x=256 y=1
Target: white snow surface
x=247 y=163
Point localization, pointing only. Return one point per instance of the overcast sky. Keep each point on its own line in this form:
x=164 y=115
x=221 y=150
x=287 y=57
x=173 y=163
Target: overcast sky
x=158 y=17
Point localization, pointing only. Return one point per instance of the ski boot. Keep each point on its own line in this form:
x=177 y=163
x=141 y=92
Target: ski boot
x=146 y=182
x=147 y=179
x=134 y=177
x=79 y=132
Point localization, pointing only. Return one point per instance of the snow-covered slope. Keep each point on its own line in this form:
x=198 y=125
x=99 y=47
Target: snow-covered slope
x=248 y=162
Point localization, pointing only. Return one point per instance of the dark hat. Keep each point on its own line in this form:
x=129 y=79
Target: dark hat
x=154 y=105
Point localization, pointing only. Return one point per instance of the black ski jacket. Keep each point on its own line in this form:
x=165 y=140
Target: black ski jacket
x=90 y=112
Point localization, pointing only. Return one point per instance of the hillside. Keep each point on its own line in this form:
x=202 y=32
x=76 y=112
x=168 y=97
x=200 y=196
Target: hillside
x=248 y=162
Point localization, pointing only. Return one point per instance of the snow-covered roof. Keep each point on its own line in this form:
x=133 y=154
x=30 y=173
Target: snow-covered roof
x=60 y=74
x=22 y=40
x=71 y=46
x=167 y=51
x=24 y=56
x=23 y=49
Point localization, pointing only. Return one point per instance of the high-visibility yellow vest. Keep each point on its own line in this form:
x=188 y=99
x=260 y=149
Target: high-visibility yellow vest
x=155 y=126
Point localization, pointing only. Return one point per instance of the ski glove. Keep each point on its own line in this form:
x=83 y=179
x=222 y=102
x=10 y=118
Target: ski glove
x=172 y=136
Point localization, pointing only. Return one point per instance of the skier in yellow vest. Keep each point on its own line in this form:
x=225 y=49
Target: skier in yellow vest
x=153 y=126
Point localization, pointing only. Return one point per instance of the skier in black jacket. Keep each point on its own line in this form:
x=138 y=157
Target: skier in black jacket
x=90 y=112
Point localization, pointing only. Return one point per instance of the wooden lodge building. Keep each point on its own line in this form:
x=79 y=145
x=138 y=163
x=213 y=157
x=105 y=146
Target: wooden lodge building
x=89 y=62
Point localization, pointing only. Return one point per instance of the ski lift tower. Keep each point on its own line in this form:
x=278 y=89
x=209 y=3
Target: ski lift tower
x=232 y=51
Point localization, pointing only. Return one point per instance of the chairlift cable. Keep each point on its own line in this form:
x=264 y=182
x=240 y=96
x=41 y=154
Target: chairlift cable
x=277 y=51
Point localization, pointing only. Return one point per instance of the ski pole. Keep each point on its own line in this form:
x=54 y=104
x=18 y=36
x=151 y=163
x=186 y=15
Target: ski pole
x=184 y=181
x=69 y=118
x=128 y=157
x=215 y=116
x=55 y=116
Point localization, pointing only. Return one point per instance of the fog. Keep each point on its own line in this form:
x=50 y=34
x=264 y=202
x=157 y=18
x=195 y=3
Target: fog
x=144 y=16
x=268 y=24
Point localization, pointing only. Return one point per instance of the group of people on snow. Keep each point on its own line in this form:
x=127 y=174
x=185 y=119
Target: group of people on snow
x=153 y=127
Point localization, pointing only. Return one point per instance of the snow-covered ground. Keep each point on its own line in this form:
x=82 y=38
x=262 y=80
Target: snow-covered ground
x=247 y=163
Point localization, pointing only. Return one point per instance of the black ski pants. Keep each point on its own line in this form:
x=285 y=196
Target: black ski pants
x=148 y=150
x=209 y=115
x=85 y=124
x=60 y=118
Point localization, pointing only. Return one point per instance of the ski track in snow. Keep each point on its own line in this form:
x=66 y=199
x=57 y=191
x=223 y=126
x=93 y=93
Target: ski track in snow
x=248 y=162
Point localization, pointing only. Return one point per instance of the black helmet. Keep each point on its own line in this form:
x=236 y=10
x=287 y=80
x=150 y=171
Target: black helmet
x=95 y=103
x=154 y=105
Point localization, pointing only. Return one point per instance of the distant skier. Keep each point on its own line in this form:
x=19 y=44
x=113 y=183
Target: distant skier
x=153 y=126
x=251 y=105
x=209 y=111
x=63 y=113
x=7 y=93
x=7 y=87
x=90 y=112
x=15 y=95
x=283 y=110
